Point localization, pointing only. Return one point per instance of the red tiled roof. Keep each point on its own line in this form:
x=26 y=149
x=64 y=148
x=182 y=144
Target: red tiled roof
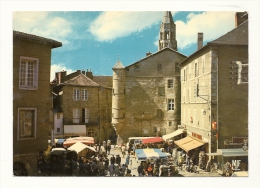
x=36 y=38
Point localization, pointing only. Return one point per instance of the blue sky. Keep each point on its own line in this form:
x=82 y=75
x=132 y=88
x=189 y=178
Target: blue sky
x=94 y=39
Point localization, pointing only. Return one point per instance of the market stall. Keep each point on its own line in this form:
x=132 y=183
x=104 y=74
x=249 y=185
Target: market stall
x=152 y=140
x=144 y=154
x=85 y=140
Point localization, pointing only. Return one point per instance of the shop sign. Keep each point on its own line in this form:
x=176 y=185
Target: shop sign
x=236 y=164
x=196 y=135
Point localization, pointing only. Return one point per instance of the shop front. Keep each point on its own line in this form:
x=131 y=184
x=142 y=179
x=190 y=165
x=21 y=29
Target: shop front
x=193 y=148
x=237 y=157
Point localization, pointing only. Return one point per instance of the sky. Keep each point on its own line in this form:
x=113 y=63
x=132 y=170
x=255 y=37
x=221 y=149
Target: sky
x=94 y=40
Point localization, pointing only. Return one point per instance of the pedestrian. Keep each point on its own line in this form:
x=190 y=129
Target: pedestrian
x=88 y=169
x=228 y=169
x=101 y=168
x=127 y=160
x=108 y=148
x=112 y=159
x=123 y=169
x=130 y=163
x=118 y=160
x=149 y=170
x=121 y=172
x=128 y=173
x=116 y=169
x=123 y=150
x=111 y=169
x=187 y=159
x=140 y=170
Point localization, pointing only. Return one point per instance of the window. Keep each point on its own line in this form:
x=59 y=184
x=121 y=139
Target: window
x=76 y=94
x=159 y=67
x=92 y=133
x=76 y=115
x=161 y=91
x=58 y=130
x=170 y=83
x=28 y=78
x=184 y=75
x=196 y=71
x=27 y=123
x=86 y=115
x=84 y=94
x=136 y=68
x=170 y=104
x=58 y=116
x=170 y=123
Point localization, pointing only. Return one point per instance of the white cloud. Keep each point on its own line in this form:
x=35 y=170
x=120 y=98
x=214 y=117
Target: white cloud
x=111 y=25
x=211 y=24
x=58 y=68
x=42 y=24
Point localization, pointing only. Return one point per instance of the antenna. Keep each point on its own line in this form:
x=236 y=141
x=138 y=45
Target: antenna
x=118 y=57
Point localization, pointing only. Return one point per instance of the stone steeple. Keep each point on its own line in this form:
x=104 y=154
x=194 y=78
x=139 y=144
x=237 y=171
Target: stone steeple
x=167 y=35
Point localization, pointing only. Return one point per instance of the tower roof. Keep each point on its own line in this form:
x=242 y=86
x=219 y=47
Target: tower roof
x=118 y=65
x=167 y=17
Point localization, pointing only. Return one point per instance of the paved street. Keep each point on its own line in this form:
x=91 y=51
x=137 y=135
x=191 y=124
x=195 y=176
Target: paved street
x=182 y=173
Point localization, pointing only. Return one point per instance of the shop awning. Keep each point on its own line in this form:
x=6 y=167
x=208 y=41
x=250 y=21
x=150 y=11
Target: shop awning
x=173 y=134
x=236 y=152
x=188 y=143
x=152 y=140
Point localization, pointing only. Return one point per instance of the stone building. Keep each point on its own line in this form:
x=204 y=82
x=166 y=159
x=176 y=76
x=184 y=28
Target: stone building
x=214 y=91
x=31 y=100
x=82 y=105
x=146 y=94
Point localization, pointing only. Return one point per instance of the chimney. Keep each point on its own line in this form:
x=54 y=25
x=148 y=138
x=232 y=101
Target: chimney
x=83 y=72
x=60 y=76
x=200 y=40
x=240 y=17
x=78 y=72
x=148 y=53
x=89 y=74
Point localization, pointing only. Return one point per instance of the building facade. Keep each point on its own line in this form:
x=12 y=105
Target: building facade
x=31 y=100
x=214 y=102
x=82 y=105
x=146 y=94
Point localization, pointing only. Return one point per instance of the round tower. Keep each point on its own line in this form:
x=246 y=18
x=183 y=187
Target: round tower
x=118 y=97
x=167 y=36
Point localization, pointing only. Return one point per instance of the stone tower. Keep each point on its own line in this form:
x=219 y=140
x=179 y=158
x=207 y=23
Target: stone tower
x=118 y=97
x=167 y=36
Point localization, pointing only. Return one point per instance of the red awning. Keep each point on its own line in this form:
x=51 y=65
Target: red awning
x=152 y=140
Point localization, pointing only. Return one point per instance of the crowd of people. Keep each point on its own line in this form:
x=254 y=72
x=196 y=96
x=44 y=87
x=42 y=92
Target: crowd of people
x=102 y=165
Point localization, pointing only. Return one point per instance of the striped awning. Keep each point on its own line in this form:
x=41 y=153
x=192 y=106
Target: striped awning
x=143 y=154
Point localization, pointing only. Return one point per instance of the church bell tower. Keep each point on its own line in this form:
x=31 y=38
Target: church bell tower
x=167 y=36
